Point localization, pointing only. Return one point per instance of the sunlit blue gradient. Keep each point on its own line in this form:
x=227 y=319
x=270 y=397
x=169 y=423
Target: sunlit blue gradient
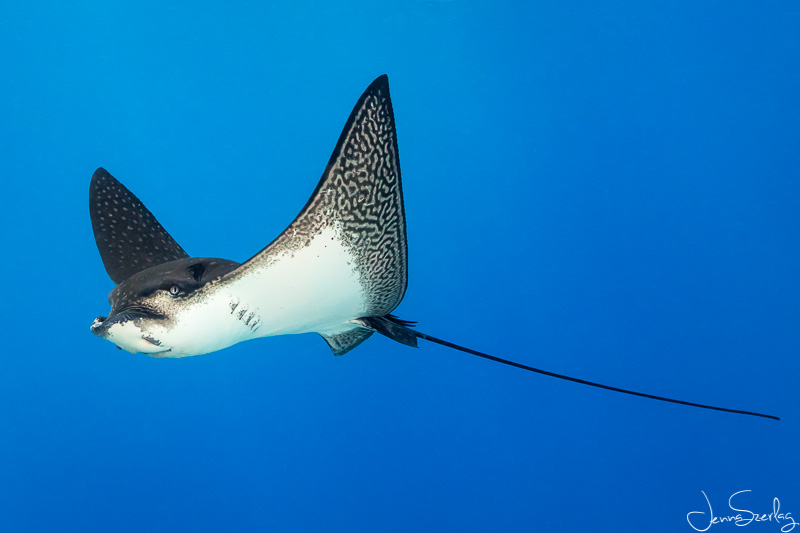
x=607 y=190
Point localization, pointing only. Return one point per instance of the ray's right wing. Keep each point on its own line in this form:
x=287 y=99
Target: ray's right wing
x=361 y=196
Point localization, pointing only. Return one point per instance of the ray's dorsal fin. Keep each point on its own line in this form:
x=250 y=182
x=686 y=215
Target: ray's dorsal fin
x=360 y=197
x=398 y=330
x=128 y=236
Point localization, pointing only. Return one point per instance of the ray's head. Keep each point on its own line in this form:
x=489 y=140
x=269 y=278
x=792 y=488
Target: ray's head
x=144 y=307
x=155 y=277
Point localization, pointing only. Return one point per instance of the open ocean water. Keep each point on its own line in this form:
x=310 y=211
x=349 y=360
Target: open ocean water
x=607 y=190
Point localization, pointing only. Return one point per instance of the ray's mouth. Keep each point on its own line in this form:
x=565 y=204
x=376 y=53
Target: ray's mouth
x=139 y=343
x=136 y=311
x=132 y=312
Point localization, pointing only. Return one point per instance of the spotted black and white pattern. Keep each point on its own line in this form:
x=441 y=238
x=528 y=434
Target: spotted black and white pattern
x=360 y=195
x=128 y=236
x=343 y=257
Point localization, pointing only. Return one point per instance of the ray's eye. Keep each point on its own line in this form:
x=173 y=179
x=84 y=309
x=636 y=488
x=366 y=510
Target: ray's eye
x=174 y=290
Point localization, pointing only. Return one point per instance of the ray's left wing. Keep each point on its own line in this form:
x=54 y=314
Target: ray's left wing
x=128 y=236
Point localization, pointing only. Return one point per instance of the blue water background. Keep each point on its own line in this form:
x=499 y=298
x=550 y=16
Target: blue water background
x=604 y=189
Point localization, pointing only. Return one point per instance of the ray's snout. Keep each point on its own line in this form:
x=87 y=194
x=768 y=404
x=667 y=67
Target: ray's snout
x=97 y=326
x=122 y=330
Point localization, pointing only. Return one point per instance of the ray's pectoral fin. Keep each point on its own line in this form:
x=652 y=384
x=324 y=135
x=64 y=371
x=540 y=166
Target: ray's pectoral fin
x=358 y=206
x=128 y=236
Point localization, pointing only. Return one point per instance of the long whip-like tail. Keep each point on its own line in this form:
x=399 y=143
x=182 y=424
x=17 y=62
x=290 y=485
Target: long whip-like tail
x=398 y=330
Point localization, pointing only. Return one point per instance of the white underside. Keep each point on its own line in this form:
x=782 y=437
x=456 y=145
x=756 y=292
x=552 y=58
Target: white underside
x=316 y=289
x=128 y=336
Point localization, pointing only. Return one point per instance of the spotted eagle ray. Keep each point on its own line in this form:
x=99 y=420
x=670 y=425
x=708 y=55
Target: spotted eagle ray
x=339 y=269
